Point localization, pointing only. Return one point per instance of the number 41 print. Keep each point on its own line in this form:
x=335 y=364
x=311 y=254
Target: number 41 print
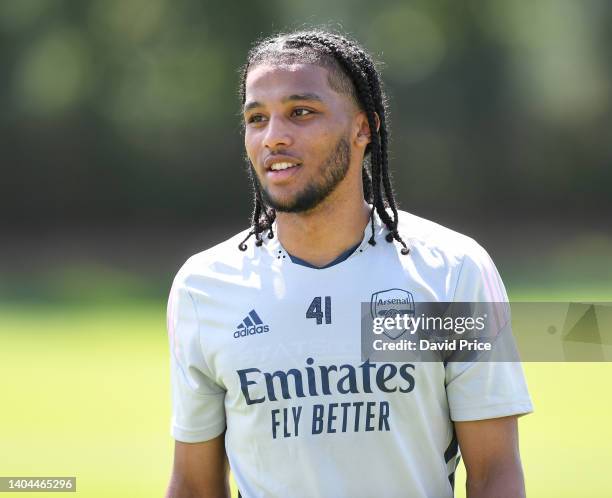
x=315 y=310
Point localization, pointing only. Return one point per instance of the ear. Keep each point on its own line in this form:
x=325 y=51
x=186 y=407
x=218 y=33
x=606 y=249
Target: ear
x=362 y=127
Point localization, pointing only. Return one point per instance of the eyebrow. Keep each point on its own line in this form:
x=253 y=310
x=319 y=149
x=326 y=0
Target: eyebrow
x=291 y=98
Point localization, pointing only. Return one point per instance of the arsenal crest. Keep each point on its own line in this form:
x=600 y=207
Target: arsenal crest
x=392 y=302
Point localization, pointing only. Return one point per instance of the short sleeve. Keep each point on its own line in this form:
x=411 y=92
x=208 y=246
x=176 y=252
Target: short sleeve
x=198 y=412
x=484 y=389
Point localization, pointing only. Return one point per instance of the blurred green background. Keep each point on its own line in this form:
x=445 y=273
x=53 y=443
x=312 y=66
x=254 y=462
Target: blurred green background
x=121 y=156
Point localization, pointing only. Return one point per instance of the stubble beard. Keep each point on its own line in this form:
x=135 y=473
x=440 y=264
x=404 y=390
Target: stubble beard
x=331 y=172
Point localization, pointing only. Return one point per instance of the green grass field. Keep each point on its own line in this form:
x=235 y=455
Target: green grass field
x=85 y=392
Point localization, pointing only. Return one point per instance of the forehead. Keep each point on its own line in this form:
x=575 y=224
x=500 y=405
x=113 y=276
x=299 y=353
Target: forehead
x=275 y=81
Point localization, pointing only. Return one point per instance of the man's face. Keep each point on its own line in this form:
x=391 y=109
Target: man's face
x=297 y=134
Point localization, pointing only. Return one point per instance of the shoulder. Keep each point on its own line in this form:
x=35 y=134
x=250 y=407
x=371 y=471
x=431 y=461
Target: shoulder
x=430 y=238
x=439 y=250
x=224 y=258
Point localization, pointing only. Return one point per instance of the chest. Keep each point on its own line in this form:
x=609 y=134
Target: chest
x=276 y=321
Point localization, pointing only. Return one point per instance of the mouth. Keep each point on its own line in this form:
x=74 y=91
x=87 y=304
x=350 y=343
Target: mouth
x=283 y=171
x=282 y=166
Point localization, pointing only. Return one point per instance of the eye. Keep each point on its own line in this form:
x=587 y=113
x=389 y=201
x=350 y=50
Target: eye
x=255 y=118
x=301 y=111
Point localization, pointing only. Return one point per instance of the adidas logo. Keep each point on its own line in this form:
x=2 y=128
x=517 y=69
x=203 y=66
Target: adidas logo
x=250 y=325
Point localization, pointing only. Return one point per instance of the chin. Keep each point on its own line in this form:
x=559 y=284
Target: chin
x=280 y=202
x=284 y=205
x=300 y=202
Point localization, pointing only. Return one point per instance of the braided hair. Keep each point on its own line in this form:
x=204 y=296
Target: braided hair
x=351 y=71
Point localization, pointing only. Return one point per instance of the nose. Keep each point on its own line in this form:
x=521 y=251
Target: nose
x=277 y=134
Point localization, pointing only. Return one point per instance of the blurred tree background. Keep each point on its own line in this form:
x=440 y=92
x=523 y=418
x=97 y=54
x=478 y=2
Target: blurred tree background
x=122 y=152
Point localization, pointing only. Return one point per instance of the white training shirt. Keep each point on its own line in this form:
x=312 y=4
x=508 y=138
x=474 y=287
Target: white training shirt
x=269 y=350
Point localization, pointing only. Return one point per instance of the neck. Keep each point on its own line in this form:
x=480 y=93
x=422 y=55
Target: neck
x=320 y=235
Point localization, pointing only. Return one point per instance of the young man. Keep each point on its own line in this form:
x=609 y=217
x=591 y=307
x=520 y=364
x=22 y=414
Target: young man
x=265 y=338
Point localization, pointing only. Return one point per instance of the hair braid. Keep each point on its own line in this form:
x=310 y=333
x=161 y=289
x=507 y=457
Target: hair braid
x=378 y=98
